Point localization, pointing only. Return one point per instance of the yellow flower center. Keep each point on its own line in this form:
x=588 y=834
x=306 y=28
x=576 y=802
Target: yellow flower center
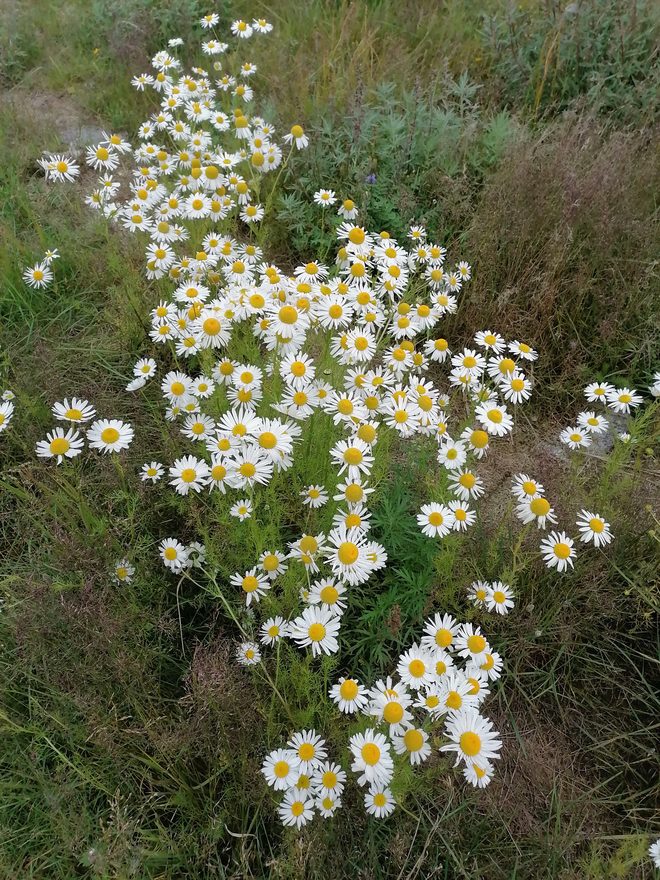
x=562 y=550
x=470 y=743
x=370 y=753
x=539 y=507
x=348 y=689
x=59 y=446
x=347 y=553
x=476 y=643
x=110 y=435
x=393 y=712
x=316 y=632
x=250 y=583
x=189 y=475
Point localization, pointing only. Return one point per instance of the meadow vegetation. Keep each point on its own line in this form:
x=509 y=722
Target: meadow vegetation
x=524 y=138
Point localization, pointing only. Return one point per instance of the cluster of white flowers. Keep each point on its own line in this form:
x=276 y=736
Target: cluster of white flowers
x=350 y=344
x=444 y=679
x=105 y=435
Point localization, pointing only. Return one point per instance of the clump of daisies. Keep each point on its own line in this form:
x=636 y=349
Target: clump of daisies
x=103 y=435
x=348 y=347
x=436 y=689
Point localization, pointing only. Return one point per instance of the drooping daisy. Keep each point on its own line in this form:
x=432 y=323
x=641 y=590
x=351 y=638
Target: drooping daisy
x=536 y=509
x=478 y=774
x=371 y=758
x=60 y=445
x=593 y=528
x=318 y=628
x=472 y=737
x=349 y=695
x=110 y=435
x=558 y=551
x=413 y=743
x=76 y=410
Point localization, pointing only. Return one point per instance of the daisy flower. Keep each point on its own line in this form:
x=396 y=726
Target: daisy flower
x=189 y=473
x=597 y=392
x=348 y=209
x=38 y=276
x=464 y=516
x=621 y=400
x=379 y=802
x=314 y=496
x=296 y=808
x=472 y=737
x=471 y=644
x=173 y=554
x=60 y=445
x=281 y=769
x=272 y=562
x=329 y=594
x=538 y=509
x=575 y=438
x=499 y=598
x=495 y=419
x=371 y=758
x=253 y=583
x=325 y=197
x=317 y=627
x=415 y=668
x=272 y=630
x=477 y=592
x=349 y=695
x=593 y=528
x=440 y=631
x=478 y=775
x=297 y=136
x=557 y=551
x=414 y=743
x=310 y=749
x=6 y=413
x=435 y=520
x=525 y=487
x=248 y=654
x=123 y=572
x=347 y=555
x=654 y=853
x=109 y=435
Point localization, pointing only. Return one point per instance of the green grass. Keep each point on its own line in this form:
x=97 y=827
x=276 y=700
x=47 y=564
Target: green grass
x=131 y=742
